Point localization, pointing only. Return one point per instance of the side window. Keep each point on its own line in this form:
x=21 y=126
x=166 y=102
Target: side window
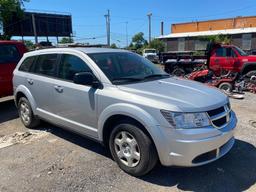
x=221 y=52
x=47 y=65
x=70 y=65
x=230 y=52
x=27 y=64
x=9 y=54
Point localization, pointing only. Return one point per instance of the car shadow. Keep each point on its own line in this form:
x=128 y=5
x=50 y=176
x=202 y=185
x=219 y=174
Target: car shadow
x=8 y=111
x=74 y=138
x=234 y=172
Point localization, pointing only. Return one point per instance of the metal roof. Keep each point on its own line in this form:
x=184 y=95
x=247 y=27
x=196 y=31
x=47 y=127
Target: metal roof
x=208 y=33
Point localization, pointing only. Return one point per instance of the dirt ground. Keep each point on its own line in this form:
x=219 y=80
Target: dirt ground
x=52 y=159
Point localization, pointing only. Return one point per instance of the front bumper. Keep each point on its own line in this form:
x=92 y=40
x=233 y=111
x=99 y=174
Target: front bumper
x=194 y=147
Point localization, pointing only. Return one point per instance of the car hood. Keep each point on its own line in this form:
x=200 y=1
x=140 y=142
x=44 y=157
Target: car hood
x=177 y=94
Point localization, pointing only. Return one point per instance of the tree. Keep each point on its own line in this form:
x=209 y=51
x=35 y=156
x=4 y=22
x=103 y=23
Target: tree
x=157 y=44
x=225 y=39
x=138 y=42
x=29 y=44
x=8 y=9
x=113 y=46
x=66 y=40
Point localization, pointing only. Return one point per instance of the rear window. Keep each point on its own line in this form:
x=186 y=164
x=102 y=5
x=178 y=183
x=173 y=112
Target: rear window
x=9 y=54
x=27 y=64
x=47 y=65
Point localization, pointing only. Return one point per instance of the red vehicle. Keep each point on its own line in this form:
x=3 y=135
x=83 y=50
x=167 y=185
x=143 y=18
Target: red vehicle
x=218 y=58
x=232 y=58
x=10 y=54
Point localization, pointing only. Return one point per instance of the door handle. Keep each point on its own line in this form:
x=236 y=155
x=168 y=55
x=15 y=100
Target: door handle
x=216 y=60
x=30 y=81
x=58 y=88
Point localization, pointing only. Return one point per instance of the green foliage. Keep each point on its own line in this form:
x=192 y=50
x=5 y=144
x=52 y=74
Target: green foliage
x=9 y=8
x=157 y=44
x=138 y=43
x=66 y=40
x=113 y=46
x=29 y=44
x=225 y=39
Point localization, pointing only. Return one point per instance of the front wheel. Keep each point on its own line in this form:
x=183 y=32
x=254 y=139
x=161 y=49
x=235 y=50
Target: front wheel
x=132 y=149
x=179 y=72
x=226 y=87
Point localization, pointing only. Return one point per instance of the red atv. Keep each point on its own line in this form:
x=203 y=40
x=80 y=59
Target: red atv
x=226 y=81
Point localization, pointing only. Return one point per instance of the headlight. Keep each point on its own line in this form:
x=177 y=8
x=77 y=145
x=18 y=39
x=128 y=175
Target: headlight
x=186 y=120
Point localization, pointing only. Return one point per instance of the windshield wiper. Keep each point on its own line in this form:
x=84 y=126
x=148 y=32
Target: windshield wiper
x=156 y=75
x=127 y=79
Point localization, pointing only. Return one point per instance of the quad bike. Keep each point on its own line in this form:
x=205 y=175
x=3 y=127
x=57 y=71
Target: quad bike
x=226 y=81
x=251 y=86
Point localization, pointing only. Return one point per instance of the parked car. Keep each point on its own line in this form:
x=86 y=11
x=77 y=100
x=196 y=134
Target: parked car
x=125 y=102
x=151 y=54
x=10 y=54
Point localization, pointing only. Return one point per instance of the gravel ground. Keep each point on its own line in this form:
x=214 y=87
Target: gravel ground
x=52 y=159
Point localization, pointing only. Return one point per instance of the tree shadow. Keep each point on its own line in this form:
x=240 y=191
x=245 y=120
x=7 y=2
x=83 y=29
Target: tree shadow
x=234 y=172
x=8 y=111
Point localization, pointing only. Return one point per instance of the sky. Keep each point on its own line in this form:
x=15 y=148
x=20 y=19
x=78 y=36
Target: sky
x=89 y=22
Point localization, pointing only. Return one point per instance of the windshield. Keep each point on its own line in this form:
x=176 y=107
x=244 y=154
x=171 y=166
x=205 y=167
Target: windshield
x=241 y=52
x=126 y=67
x=150 y=51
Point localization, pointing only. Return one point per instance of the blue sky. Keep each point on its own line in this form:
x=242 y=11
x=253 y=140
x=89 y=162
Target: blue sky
x=88 y=15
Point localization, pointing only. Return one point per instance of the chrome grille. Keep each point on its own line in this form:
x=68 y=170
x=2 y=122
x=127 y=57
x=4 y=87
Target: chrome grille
x=220 y=116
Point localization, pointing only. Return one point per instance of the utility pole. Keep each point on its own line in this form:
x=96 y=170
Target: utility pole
x=149 y=27
x=126 y=28
x=34 y=28
x=108 y=27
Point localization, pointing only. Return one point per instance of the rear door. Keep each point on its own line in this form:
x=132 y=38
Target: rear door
x=41 y=82
x=9 y=57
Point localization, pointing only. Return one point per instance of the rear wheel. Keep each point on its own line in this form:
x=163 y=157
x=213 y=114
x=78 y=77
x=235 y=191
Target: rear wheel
x=250 y=75
x=26 y=114
x=132 y=149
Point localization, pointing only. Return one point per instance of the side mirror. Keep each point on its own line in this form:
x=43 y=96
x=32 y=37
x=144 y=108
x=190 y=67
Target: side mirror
x=86 y=78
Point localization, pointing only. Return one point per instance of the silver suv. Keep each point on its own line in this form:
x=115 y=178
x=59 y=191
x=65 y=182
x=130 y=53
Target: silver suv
x=126 y=103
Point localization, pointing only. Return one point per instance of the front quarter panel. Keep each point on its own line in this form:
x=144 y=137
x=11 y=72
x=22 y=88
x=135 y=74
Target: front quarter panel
x=128 y=110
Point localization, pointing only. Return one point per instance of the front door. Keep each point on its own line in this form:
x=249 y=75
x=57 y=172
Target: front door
x=219 y=60
x=75 y=105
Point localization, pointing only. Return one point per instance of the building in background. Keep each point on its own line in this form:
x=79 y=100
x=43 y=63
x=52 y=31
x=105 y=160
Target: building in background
x=189 y=36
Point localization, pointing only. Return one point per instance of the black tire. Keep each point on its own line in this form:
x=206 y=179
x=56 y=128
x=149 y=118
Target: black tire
x=31 y=121
x=227 y=87
x=146 y=148
x=179 y=72
x=250 y=74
